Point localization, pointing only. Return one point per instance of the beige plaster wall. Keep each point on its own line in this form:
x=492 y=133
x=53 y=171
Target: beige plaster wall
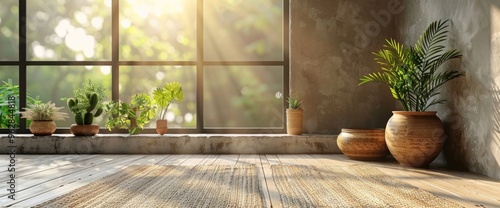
x=331 y=48
x=472 y=113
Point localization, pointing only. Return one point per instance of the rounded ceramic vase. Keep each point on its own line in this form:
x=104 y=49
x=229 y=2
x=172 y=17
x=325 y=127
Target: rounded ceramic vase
x=363 y=144
x=415 y=138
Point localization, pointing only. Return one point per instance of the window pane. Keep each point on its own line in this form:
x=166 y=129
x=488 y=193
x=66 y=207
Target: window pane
x=51 y=83
x=9 y=30
x=243 y=97
x=9 y=86
x=243 y=30
x=158 y=30
x=69 y=30
x=145 y=79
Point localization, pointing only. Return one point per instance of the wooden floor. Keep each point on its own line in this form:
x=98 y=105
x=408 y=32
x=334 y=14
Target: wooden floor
x=43 y=177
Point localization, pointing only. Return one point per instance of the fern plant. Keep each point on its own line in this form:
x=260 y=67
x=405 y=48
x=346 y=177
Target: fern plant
x=412 y=72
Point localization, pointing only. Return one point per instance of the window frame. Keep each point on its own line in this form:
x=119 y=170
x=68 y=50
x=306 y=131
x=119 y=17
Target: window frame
x=115 y=63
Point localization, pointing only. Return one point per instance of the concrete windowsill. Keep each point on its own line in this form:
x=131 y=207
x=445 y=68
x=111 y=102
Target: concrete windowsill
x=172 y=144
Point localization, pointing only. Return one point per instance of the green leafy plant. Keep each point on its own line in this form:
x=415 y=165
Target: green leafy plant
x=86 y=103
x=294 y=103
x=131 y=116
x=7 y=89
x=163 y=97
x=412 y=72
x=43 y=112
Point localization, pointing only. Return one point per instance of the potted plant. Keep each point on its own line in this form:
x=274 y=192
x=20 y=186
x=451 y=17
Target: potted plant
x=415 y=136
x=294 y=116
x=131 y=116
x=86 y=105
x=163 y=97
x=42 y=118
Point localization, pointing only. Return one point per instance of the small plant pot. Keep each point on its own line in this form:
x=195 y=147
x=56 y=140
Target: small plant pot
x=294 y=121
x=42 y=128
x=161 y=127
x=84 y=130
x=363 y=144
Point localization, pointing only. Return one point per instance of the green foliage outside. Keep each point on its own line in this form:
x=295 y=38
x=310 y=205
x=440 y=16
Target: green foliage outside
x=411 y=73
x=7 y=89
x=234 y=96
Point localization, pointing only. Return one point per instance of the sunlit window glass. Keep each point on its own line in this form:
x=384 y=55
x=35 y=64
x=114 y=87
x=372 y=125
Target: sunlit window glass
x=68 y=30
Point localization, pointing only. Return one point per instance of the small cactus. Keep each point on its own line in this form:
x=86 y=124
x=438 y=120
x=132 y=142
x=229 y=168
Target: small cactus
x=86 y=103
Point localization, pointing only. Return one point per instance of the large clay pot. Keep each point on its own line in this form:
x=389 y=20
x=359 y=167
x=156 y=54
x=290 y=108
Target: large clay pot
x=294 y=121
x=363 y=144
x=84 y=130
x=415 y=138
x=42 y=128
x=161 y=127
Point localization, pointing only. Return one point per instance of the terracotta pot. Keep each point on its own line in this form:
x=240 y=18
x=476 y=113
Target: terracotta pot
x=84 y=130
x=415 y=138
x=294 y=121
x=42 y=128
x=161 y=127
x=363 y=144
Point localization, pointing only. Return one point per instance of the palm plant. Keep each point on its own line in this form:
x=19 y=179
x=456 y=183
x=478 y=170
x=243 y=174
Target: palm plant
x=163 y=97
x=412 y=72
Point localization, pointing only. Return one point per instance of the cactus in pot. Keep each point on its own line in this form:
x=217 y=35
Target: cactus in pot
x=86 y=105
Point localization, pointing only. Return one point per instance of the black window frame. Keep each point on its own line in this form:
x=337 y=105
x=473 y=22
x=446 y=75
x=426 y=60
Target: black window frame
x=115 y=63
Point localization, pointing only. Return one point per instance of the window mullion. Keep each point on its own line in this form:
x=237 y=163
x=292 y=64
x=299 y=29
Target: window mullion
x=115 y=79
x=22 y=61
x=199 y=66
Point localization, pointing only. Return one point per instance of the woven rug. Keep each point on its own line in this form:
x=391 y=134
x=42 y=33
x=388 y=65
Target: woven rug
x=169 y=186
x=353 y=186
x=239 y=186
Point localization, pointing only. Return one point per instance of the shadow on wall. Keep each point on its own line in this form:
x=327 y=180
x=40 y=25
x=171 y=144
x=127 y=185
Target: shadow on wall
x=472 y=114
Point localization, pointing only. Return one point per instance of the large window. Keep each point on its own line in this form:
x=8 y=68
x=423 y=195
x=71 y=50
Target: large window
x=230 y=56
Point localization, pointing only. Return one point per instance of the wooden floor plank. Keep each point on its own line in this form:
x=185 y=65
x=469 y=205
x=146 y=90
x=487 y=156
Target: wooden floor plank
x=248 y=160
x=48 y=176
x=273 y=159
x=231 y=159
x=62 y=184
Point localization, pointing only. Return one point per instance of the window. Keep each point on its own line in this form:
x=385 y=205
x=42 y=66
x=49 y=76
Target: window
x=230 y=56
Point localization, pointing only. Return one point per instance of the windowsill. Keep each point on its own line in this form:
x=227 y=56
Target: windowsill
x=172 y=144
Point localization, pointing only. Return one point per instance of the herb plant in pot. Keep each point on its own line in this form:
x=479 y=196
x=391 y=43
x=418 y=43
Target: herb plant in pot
x=131 y=116
x=86 y=105
x=294 y=117
x=163 y=97
x=42 y=118
x=415 y=136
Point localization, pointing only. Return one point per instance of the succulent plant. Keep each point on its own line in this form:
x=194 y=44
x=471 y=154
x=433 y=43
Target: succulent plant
x=86 y=105
x=43 y=112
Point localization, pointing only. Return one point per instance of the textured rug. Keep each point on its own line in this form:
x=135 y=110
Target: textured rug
x=239 y=186
x=169 y=186
x=353 y=186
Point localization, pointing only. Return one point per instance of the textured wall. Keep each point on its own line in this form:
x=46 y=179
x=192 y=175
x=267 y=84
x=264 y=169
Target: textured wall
x=331 y=48
x=472 y=113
